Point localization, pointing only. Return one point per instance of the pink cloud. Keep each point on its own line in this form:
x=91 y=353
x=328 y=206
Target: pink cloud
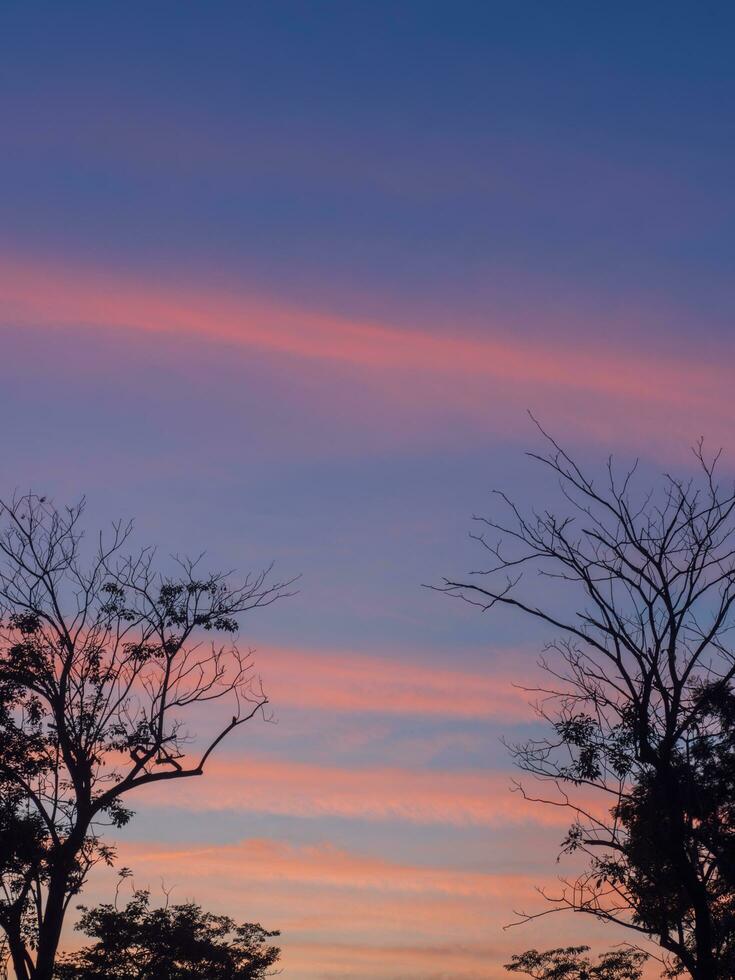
x=331 y=904
x=38 y=294
x=260 y=785
x=344 y=382
x=348 y=914
x=350 y=682
x=461 y=960
x=265 y=860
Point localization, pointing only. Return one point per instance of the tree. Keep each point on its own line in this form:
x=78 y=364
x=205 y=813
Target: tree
x=179 y=942
x=571 y=963
x=100 y=665
x=640 y=699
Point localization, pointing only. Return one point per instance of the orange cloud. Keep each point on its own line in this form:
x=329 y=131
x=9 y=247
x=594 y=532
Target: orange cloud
x=350 y=682
x=262 y=860
x=260 y=785
x=460 y=961
x=343 y=913
x=312 y=892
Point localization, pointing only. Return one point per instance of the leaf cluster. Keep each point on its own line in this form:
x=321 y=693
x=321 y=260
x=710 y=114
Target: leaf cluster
x=178 y=942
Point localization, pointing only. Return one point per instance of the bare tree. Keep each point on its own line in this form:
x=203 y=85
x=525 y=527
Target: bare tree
x=101 y=662
x=640 y=699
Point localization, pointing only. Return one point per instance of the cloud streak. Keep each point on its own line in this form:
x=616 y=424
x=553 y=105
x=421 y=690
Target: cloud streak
x=388 y=915
x=310 y=890
x=351 y=682
x=263 y=860
x=49 y=295
x=299 y=789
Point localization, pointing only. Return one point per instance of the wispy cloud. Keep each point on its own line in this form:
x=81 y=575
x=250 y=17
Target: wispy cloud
x=388 y=914
x=261 y=785
x=35 y=293
x=352 y=682
x=320 y=864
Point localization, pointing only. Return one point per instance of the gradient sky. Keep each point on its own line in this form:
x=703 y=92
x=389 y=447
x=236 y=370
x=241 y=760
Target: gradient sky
x=281 y=280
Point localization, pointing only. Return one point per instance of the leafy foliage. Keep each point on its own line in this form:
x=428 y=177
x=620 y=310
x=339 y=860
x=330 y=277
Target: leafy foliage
x=639 y=697
x=571 y=963
x=180 y=942
x=101 y=659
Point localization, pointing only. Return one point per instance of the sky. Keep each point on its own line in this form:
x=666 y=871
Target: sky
x=282 y=280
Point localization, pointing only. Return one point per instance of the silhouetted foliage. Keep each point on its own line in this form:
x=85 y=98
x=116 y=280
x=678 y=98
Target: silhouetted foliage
x=640 y=699
x=177 y=942
x=100 y=663
x=571 y=963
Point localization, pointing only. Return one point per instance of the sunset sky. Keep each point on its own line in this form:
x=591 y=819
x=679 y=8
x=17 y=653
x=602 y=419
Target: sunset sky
x=282 y=280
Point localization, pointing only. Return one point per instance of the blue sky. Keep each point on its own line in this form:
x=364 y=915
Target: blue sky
x=281 y=280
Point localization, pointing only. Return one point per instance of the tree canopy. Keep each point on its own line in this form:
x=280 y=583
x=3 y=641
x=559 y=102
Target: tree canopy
x=103 y=657
x=639 y=697
x=572 y=963
x=172 y=942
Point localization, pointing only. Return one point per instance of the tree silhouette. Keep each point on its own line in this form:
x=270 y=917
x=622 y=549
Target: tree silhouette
x=179 y=942
x=640 y=696
x=100 y=664
x=571 y=963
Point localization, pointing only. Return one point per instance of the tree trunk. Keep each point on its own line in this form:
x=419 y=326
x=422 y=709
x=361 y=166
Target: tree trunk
x=49 y=933
x=706 y=966
x=18 y=952
x=694 y=886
